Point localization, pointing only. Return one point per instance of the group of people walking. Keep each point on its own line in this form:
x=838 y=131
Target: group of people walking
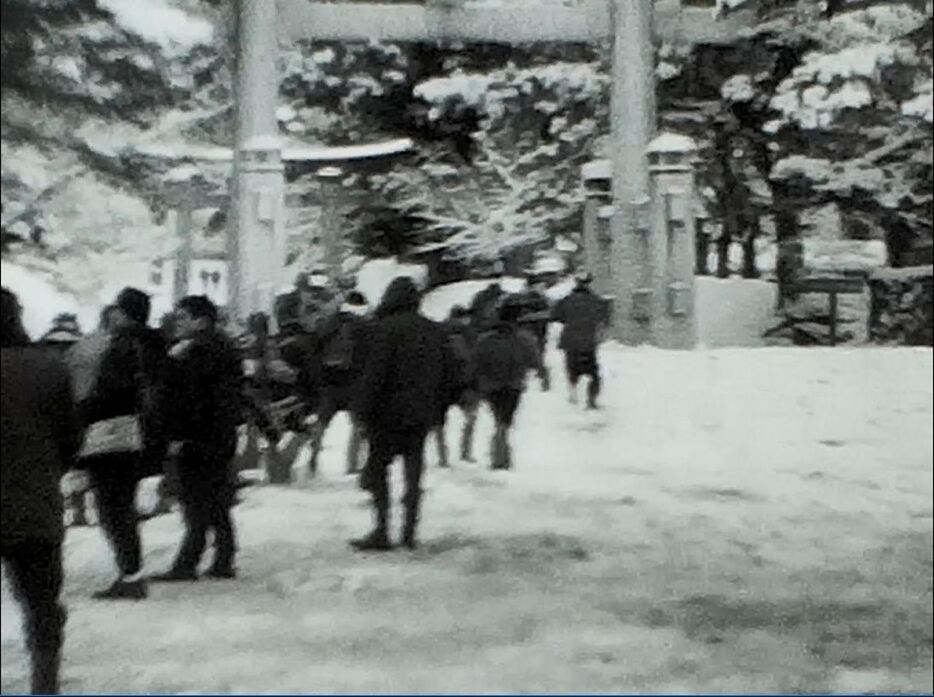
x=127 y=397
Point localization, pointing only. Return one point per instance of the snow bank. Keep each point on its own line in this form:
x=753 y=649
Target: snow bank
x=438 y=303
x=41 y=300
x=376 y=275
x=733 y=311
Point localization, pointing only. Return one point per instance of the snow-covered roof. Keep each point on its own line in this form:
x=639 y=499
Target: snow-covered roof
x=292 y=150
x=597 y=169
x=672 y=142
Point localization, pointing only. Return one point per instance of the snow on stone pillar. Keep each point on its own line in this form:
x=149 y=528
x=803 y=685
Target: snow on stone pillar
x=674 y=202
x=632 y=121
x=329 y=179
x=597 y=213
x=257 y=247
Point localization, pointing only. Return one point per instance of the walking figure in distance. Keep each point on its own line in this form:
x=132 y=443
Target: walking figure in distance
x=400 y=398
x=503 y=357
x=204 y=386
x=343 y=354
x=584 y=316
x=462 y=338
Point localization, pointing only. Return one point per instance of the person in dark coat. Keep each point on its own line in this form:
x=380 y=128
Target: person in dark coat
x=40 y=437
x=205 y=383
x=342 y=354
x=584 y=316
x=503 y=357
x=462 y=337
x=400 y=397
x=484 y=305
x=536 y=315
x=125 y=436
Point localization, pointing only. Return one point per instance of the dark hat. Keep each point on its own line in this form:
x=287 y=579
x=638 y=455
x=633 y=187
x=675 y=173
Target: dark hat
x=583 y=278
x=135 y=304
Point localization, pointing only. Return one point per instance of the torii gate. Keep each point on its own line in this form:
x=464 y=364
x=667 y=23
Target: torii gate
x=258 y=245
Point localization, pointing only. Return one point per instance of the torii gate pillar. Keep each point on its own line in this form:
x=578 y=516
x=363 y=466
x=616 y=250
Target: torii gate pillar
x=257 y=245
x=632 y=127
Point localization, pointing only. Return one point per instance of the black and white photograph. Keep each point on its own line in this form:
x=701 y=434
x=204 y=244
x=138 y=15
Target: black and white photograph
x=467 y=347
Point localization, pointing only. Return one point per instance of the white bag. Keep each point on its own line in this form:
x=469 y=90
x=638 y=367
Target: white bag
x=121 y=434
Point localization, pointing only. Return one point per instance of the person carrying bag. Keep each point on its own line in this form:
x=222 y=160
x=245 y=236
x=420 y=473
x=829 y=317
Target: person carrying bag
x=124 y=438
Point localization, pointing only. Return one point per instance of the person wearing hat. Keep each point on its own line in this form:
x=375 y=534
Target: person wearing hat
x=342 y=354
x=124 y=433
x=503 y=357
x=205 y=376
x=584 y=316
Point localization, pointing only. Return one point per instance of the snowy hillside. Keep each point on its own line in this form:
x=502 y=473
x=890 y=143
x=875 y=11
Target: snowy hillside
x=732 y=521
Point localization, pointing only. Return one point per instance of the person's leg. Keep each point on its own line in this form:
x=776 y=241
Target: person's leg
x=355 y=445
x=413 y=451
x=593 y=389
x=115 y=484
x=195 y=497
x=35 y=572
x=225 y=543
x=375 y=479
x=498 y=443
x=326 y=411
x=440 y=437
x=470 y=405
x=571 y=369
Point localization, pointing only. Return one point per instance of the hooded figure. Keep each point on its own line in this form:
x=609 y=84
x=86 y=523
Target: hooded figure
x=399 y=398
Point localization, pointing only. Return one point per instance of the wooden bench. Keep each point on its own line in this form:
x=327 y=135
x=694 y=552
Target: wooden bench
x=832 y=286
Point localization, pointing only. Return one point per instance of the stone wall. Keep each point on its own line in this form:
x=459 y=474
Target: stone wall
x=902 y=306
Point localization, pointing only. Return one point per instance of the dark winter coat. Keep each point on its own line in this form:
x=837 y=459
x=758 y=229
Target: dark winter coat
x=343 y=348
x=409 y=367
x=503 y=357
x=583 y=314
x=131 y=379
x=204 y=394
x=40 y=438
x=483 y=307
x=536 y=313
x=462 y=341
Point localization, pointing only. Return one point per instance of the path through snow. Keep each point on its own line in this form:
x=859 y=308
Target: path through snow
x=732 y=521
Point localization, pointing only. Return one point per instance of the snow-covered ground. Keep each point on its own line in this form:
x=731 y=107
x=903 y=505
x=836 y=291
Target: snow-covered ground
x=733 y=520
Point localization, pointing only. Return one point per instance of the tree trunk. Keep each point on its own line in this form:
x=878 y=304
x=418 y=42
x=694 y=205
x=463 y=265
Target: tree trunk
x=749 y=249
x=723 y=253
x=790 y=258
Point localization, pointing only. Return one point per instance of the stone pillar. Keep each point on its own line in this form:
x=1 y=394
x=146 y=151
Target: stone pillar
x=674 y=211
x=597 y=238
x=329 y=178
x=633 y=123
x=184 y=233
x=257 y=245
